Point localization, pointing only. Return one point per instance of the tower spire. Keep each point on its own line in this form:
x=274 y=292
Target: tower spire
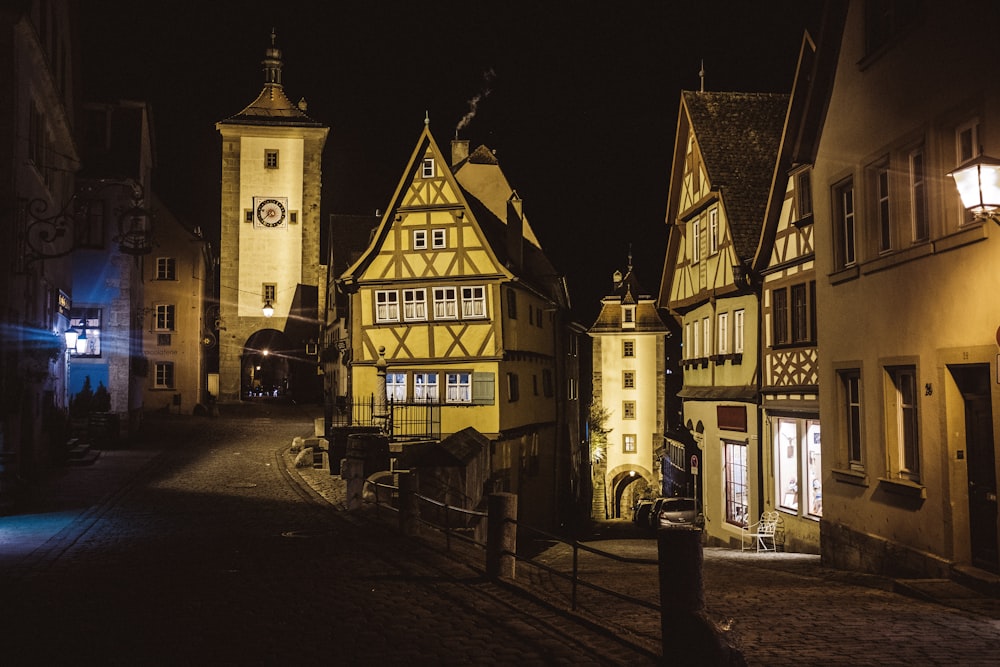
x=272 y=62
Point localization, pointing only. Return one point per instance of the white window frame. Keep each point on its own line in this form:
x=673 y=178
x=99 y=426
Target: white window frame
x=395 y=386
x=445 y=303
x=386 y=305
x=906 y=417
x=696 y=339
x=918 y=195
x=415 y=305
x=713 y=231
x=427 y=168
x=738 y=317
x=722 y=340
x=166 y=268
x=473 y=302
x=706 y=333
x=165 y=317
x=688 y=342
x=161 y=371
x=696 y=241
x=883 y=208
x=458 y=387
x=420 y=239
x=439 y=238
x=425 y=387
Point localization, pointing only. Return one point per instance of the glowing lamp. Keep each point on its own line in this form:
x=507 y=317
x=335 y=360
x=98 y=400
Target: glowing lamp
x=268 y=309
x=72 y=335
x=978 y=183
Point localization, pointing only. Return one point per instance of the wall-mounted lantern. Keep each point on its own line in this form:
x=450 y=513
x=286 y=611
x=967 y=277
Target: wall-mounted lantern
x=268 y=309
x=978 y=183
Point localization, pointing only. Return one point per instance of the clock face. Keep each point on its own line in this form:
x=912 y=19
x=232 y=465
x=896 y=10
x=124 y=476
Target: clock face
x=270 y=212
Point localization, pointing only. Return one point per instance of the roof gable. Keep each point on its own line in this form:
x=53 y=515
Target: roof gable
x=738 y=135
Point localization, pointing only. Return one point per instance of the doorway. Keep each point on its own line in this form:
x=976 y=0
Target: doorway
x=974 y=383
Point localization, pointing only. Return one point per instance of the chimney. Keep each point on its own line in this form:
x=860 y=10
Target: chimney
x=459 y=150
x=515 y=231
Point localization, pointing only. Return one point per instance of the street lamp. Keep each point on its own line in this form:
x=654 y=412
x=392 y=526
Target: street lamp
x=72 y=335
x=978 y=183
x=268 y=309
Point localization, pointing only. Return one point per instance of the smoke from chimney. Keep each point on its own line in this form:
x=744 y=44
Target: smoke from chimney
x=488 y=77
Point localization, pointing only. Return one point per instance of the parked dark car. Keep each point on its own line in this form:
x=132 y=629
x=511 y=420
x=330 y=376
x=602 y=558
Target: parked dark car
x=678 y=513
x=640 y=515
x=652 y=520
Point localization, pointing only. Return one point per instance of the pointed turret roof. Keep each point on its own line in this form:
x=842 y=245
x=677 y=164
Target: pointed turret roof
x=627 y=291
x=272 y=106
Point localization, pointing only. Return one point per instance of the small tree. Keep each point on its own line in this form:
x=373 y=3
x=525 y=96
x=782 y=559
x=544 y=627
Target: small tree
x=102 y=399
x=81 y=404
x=597 y=425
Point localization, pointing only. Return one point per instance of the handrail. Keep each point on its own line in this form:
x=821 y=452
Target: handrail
x=574 y=577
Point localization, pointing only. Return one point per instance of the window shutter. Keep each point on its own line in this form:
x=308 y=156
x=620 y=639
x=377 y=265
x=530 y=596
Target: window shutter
x=483 y=389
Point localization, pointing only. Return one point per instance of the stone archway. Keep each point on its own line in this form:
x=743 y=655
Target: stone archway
x=625 y=485
x=266 y=366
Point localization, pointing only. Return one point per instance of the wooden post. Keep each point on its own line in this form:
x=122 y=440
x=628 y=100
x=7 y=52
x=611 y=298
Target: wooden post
x=688 y=636
x=501 y=535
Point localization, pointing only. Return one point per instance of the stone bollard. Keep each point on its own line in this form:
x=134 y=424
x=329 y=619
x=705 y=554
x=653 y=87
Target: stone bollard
x=352 y=471
x=409 y=504
x=501 y=535
x=688 y=636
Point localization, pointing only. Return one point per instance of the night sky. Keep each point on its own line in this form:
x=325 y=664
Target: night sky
x=578 y=99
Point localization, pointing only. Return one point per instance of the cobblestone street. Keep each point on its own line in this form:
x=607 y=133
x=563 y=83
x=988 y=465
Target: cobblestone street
x=203 y=544
x=215 y=554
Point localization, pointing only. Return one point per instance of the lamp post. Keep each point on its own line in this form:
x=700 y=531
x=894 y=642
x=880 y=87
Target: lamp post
x=978 y=183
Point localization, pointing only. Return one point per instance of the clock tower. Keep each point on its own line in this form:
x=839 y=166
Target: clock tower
x=271 y=283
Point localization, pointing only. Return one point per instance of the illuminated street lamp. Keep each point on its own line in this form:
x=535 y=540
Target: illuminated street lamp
x=72 y=335
x=268 y=309
x=978 y=182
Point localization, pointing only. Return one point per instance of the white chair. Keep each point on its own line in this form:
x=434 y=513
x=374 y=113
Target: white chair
x=760 y=535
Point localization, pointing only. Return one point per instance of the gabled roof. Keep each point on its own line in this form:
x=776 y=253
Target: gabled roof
x=738 y=135
x=485 y=195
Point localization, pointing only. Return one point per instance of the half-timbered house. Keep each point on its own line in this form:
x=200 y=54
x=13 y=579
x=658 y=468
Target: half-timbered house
x=724 y=159
x=786 y=261
x=456 y=298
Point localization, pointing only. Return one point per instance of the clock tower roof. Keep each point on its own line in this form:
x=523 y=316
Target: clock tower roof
x=272 y=106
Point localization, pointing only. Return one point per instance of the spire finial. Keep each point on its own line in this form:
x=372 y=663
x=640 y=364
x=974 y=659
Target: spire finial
x=630 y=257
x=701 y=75
x=272 y=61
x=427 y=117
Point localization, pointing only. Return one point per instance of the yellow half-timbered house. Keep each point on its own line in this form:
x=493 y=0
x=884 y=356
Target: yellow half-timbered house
x=721 y=175
x=456 y=296
x=786 y=261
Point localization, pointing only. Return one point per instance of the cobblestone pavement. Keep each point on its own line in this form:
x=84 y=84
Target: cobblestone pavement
x=205 y=545
x=775 y=608
x=213 y=552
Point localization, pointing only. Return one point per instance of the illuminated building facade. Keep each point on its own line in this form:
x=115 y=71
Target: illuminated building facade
x=271 y=277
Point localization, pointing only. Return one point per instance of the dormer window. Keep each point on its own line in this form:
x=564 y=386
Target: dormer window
x=628 y=317
x=427 y=168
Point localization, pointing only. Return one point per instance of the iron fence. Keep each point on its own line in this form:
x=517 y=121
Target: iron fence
x=400 y=420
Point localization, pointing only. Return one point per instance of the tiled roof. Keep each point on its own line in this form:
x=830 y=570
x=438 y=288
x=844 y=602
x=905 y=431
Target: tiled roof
x=628 y=292
x=739 y=135
x=272 y=107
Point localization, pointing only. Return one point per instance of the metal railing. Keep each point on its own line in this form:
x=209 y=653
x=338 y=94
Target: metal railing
x=573 y=577
x=400 y=420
